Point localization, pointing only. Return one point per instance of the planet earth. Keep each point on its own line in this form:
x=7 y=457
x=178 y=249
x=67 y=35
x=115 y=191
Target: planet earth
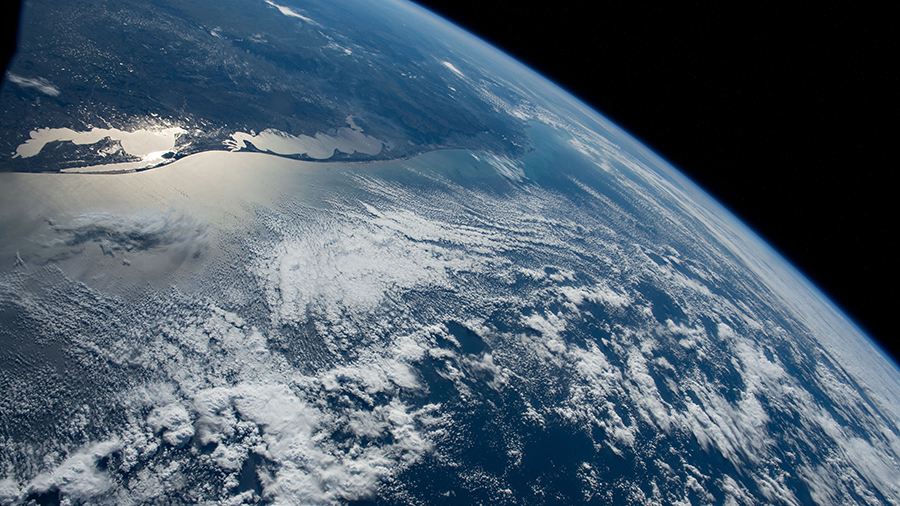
x=284 y=252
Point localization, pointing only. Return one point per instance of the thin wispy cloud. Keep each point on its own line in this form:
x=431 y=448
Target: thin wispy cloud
x=40 y=84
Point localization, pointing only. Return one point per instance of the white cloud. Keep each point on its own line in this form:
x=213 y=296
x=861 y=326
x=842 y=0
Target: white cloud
x=453 y=68
x=598 y=293
x=338 y=427
x=174 y=422
x=40 y=84
x=78 y=476
x=287 y=11
x=9 y=490
x=349 y=267
x=506 y=167
x=353 y=262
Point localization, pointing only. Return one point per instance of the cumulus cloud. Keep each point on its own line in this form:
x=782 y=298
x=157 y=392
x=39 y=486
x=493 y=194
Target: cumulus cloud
x=174 y=422
x=79 y=476
x=324 y=265
x=336 y=424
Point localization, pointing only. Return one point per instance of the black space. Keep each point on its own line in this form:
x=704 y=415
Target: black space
x=10 y=32
x=784 y=112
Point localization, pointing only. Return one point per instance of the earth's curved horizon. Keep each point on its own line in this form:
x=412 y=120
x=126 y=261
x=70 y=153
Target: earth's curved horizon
x=488 y=293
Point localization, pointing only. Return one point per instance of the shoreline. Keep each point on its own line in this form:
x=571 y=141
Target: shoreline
x=118 y=172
